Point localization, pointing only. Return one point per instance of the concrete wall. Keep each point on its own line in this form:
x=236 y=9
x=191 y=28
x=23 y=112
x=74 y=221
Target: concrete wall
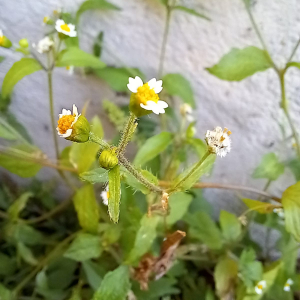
x=133 y=36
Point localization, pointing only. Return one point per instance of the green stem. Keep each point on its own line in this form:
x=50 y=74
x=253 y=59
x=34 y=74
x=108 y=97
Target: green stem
x=95 y=139
x=195 y=168
x=284 y=106
x=294 y=51
x=127 y=133
x=164 y=42
x=132 y=170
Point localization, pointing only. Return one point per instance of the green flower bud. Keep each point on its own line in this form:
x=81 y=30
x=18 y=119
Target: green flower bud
x=135 y=107
x=108 y=159
x=5 y=42
x=24 y=43
x=80 y=131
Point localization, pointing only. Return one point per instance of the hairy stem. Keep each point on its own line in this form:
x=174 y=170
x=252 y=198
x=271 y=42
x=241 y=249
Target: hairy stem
x=132 y=170
x=95 y=139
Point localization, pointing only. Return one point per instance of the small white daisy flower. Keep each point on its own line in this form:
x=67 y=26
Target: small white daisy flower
x=67 y=29
x=66 y=122
x=279 y=212
x=261 y=285
x=44 y=45
x=287 y=286
x=187 y=111
x=218 y=141
x=105 y=196
x=70 y=70
x=146 y=94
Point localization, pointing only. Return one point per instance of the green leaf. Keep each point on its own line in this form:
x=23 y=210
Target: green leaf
x=2 y=59
x=205 y=229
x=293 y=64
x=194 y=176
x=95 y=4
x=5 y=294
x=7 y=265
x=18 y=160
x=259 y=206
x=93 y=272
x=95 y=175
x=83 y=155
x=115 y=285
x=191 y=11
x=225 y=274
x=87 y=208
x=291 y=205
x=294 y=165
x=230 y=225
x=179 y=204
x=117 y=78
x=152 y=147
x=177 y=85
x=114 y=193
x=144 y=238
x=19 y=70
x=241 y=63
x=76 y=57
x=26 y=254
x=5 y=133
x=250 y=269
x=15 y=209
x=270 y=167
x=98 y=45
x=199 y=145
x=85 y=246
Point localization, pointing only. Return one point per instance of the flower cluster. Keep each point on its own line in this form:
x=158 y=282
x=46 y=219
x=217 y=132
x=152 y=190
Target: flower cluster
x=44 y=45
x=218 y=141
x=261 y=286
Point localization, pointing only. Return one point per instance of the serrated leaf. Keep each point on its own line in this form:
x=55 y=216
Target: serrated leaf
x=179 y=204
x=270 y=167
x=14 y=160
x=144 y=238
x=259 y=206
x=87 y=208
x=177 y=85
x=95 y=175
x=15 y=209
x=152 y=147
x=114 y=193
x=291 y=205
x=190 y=11
x=95 y=4
x=225 y=275
x=73 y=56
x=230 y=225
x=115 y=285
x=26 y=254
x=117 y=78
x=85 y=246
x=241 y=63
x=204 y=229
x=19 y=70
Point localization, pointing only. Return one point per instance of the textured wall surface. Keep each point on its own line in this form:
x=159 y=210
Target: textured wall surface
x=133 y=37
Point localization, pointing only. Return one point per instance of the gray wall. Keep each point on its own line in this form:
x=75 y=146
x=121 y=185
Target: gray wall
x=249 y=108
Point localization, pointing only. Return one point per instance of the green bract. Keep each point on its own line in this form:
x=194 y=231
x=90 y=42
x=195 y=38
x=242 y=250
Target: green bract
x=108 y=159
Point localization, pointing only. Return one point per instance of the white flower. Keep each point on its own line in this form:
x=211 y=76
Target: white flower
x=218 y=141
x=279 y=212
x=186 y=111
x=146 y=94
x=287 y=286
x=70 y=70
x=261 y=285
x=66 y=121
x=67 y=29
x=105 y=196
x=44 y=45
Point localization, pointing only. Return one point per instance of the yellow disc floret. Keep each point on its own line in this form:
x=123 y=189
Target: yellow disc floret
x=65 y=123
x=1 y=39
x=144 y=94
x=65 y=27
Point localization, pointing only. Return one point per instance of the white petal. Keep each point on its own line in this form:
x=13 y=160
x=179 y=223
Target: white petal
x=290 y=281
x=60 y=22
x=287 y=288
x=75 y=110
x=1 y=33
x=134 y=84
x=72 y=27
x=156 y=85
x=72 y=33
x=66 y=134
x=258 y=290
x=146 y=106
x=162 y=104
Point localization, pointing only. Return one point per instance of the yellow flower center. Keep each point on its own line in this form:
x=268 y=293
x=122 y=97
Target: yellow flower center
x=144 y=94
x=68 y=67
x=65 y=27
x=107 y=194
x=260 y=286
x=1 y=39
x=65 y=123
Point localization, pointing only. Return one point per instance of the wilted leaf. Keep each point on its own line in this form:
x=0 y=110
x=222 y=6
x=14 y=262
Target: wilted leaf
x=85 y=246
x=270 y=167
x=73 y=56
x=144 y=238
x=114 y=193
x=87 y=208
x=95 y=175
x=152 y=147
x=15 y=209
x=19 y=70
x=259 y=206
x=26 y=254
x=230 y=225
x=241 y=63
x=177 y=85
x=115 y=285
x=190 y=11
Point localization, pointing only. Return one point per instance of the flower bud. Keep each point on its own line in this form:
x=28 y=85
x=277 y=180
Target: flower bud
x=24 y=43
x=108 y=159
x=80 y=131
x=5 y=42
